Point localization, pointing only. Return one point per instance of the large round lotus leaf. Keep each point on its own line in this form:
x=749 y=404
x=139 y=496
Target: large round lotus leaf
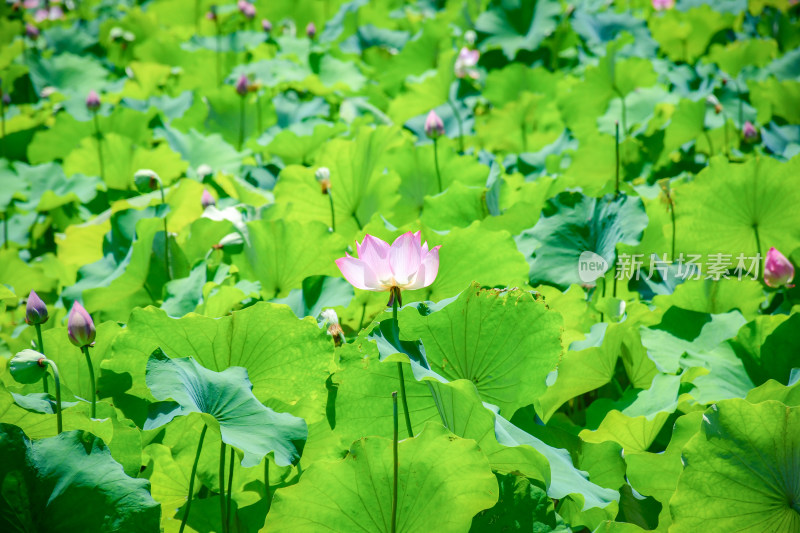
x=443 y=482
x=740 y=471
x=69 y=483
x=723 y=209
x=478 y=337
x=227 y=396
x=574 y=224
x=286 y=359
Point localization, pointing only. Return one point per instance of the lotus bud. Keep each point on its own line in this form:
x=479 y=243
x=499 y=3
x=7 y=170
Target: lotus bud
x=330 y=318
x=204 y=170
x=311 y=30
x=246 y=8
x=470 y=36
x=323 y=175
x=31 y=31
x=35 y=310
x=93 y=101
x=749 y=132
x=207 y=199
x=146 y=180
x=28 y=366
x=232 y=243
x=116 y=33
x=266 y=25
x=80 y=326
x=212 y=13
x=660 y=5
x=434 y=127
x=778 y=271
x=714 y=102
x=242 y=85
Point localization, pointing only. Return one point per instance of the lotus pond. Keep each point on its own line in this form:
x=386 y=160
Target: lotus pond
x=399 y=266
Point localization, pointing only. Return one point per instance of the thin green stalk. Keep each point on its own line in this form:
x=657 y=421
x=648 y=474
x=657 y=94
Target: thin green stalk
x=230 y=486
x=191 y=478
x=741 y=105
x=616 y=181
x=395 y=462
x=40 y=346
x=333 y=215
x=672 y=215
x=727 y=142
x=624 y=111
x=57 y=381
x=241 y=122
x=222 y=486
x=91 y=379
x=436 y=162
x=267 y=495
x=2 y=126
x=5 y=231
x=395 y=301
x=99 y=147
x=460 y=126
x=167 y=268
x=258 y=113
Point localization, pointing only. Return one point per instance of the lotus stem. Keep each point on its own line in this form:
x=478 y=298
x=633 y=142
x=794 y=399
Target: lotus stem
x=168 y=270
x=616 y=137
x=191 y=478
x=91 y=379
x=460 y=126
x=98 y=136
x=40 y=345
x=241 y=122
x=222 y=486
x=230 y=486
x=395 y=463
x=396 y=325
x=436 y=162
x=57 y=381
x=267 y=495
x=3 y=132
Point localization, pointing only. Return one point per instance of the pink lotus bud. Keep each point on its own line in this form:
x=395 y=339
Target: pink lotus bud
x=749 y=132
x=311 y=30
x=212 y=13
x=242 y=85
x=246 y=8
x=31 y=31
x=80 y=326
x=266 y=25
x=434 y=127
x=778 y=271
x=465 y=63
x=713 y=101
x=207 y=199
x=660 y=5
x=30 y=4
x=406 y=264
x=35 y=310
x=93 y=101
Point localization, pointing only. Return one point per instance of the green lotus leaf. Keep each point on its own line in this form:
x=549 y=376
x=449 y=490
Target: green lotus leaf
x=768 y=347
x=45 y=482
x=685 y=35
x=518 y=25
x=522 y=506
x=476 y=337
x=741 y=470
x=49 y=188
x=735 y=56
x=286 y=359
x=244 y=422
x=733 y=208
x=771 y=98
x=443 y=482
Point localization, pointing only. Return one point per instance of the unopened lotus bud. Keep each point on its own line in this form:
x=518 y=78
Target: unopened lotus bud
x=323 y=175
x=207 y=199
x=80 y=326
x=246 y=8
x=31 y=31
x=778 y=271
x=35 y=310
x=470 y=36
x=146 y=180
x=204 y=170
x=93 y=101
x=266 y=25
x=28 y=366
x=311 y=30
x=434 y=127
x=714 y=102
x=116 y=33
x=212 y=13
x=335 y=330
x=232 y=243
x=749 y=132
x=242 y=85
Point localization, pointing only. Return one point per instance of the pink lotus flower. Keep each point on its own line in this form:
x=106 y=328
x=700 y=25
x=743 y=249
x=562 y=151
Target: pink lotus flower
x=207 y=200
x=660 y=5
x=406 y=264
x=247 y=9
x=778 y=271
x=434 y=127
x=242 y=85
x=749 y=132
x=465 y=63
x=35 y=310
x=311 y=30
x=93 y=101
x=266 y=25
x=80 y=326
